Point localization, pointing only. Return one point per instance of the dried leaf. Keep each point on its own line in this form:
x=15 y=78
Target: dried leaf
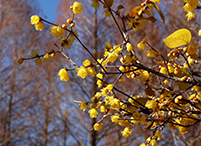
x=109 y=3
x=159 y=11
x=119 y=7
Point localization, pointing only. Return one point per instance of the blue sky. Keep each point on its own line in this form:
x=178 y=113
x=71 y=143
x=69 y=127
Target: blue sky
x=49 y=8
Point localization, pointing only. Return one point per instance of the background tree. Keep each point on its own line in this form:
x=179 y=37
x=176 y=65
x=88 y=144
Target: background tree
x=37 y=109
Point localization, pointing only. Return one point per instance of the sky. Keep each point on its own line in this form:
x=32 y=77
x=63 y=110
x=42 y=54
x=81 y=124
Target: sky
x=49 y=8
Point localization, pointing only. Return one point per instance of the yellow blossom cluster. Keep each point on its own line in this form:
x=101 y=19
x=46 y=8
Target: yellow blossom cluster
x=143 y=107
x=86 y=70
x=189 y=7
x=36 y=21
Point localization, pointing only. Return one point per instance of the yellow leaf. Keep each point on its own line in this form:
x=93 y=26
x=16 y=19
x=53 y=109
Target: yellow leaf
x=178 y=38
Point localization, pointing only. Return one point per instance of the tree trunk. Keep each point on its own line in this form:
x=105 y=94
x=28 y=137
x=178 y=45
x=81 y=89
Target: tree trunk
x=94 y=87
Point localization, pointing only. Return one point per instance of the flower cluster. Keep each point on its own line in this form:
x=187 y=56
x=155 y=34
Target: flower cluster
x=189 y=7
x=36 y=21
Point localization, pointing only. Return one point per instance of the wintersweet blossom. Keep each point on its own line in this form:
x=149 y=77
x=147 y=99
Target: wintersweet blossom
x=82 y=72
x=93 y=113
x=129 y=47
x=83 y=106
x=199 y=32
x=47 y=57
x=77 y=8
x=63 y=75
x=98 y=126
x=35 y=20
x=127 y=132
x=39 y=26
x=87 y=63
x=190 y=15
x=57 y=31
x=141 y=45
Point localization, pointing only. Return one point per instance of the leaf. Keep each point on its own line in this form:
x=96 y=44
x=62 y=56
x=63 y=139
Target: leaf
x=159 y=11
x=109 y=3
x=119 y=7
x=152 y=19
x=178 y=38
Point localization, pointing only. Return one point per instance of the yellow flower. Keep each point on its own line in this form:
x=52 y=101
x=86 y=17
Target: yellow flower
x=99 y=83
x=57 y=31
x=153 y=142
x=151 y=104
x=128 y=58
x=150 y=53
x=91 y=71
x=145 y=77
x=83 y=106
x=112 y=57
x=82 y=72
x=158 y=135
x=163 y=70
x=63 y=75
x=98 y=126
x=99 y=75
x=127 y=132
x=115 y=103
x=190 y=15
x=129 y=47
x=115 y=118
x=199 y=32
x=93 y=113
x=77 y=8
x=47 y=57
x=38 y=61
x=189 y=7
x=141 y=45
x=39 y=26
x=34 y=19
x=87 y=63
x=108 y=45
x=102 y=108
x=109 y=87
